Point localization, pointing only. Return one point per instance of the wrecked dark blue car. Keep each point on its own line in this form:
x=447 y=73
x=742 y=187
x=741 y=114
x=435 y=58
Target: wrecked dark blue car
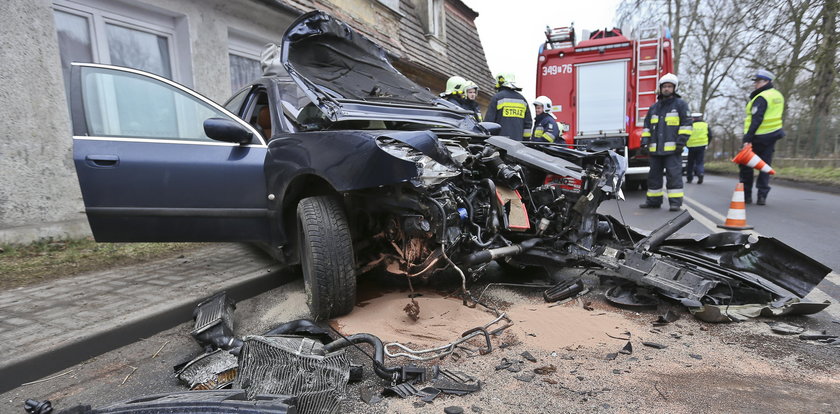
x=337 y=162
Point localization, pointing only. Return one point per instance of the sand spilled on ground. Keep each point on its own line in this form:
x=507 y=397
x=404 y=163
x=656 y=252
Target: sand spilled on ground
x=443 y=320
x=553 y=328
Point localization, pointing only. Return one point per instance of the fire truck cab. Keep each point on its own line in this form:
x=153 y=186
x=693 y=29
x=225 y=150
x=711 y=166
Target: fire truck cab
x=602 y=87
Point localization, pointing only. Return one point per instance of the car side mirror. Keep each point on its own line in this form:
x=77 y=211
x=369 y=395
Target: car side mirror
x=227 y=130
x=491 y=127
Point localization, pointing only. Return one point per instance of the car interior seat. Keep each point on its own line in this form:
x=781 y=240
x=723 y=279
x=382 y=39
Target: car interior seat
x=264 y=120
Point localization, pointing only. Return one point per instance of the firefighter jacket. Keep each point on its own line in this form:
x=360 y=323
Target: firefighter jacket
x=667 y=126
x=455 y=99
x=509 y=109
x=472 y=105
x=699 y=135
x=545 y=128
x=763 y=112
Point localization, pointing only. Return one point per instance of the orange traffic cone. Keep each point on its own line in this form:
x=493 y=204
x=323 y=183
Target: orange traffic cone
x=736 y=218
x=747 y=157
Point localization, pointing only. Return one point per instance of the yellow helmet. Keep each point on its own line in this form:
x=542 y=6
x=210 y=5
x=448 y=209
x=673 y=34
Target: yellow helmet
x=470 y=85
x=507 y=80
x=454 y=85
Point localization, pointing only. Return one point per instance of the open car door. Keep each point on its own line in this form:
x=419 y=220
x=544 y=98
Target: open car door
x=149 y=172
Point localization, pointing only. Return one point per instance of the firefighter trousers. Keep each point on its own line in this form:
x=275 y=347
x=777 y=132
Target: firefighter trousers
x=665 y=167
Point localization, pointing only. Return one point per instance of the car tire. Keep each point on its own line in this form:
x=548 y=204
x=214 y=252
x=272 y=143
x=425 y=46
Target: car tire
x=326 y=257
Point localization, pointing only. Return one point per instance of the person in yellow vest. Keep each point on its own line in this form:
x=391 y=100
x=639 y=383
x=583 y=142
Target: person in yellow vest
x=762 y=128
x=696 y=145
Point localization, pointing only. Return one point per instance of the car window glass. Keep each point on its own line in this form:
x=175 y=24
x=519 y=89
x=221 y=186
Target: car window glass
x=121 y=104
x=234 y=104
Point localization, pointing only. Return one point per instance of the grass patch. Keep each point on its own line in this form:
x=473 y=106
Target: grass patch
x=825 y=175
x=22 y=265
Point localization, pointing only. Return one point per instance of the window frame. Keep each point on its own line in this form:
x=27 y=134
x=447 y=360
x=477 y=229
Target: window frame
x=99 y=14
x=245 y=45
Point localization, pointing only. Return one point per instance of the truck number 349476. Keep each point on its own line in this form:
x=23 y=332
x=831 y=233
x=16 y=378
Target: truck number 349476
x=556 y=69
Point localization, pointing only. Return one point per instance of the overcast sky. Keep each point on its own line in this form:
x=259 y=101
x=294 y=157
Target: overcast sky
x=512 y=31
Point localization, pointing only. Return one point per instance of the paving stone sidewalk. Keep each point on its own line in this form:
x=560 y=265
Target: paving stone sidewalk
x=42 y=319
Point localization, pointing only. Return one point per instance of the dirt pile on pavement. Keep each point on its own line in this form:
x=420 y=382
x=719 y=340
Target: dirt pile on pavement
x=441 y=320
x=553 y=328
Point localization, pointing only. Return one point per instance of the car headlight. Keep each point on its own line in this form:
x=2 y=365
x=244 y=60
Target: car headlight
x=429 y=171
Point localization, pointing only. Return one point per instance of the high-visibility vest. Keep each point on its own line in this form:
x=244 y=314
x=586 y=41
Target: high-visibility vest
x=699 y=135
x=772 y=116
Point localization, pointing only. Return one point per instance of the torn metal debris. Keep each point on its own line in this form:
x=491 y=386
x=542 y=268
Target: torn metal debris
x=443 y=350
x=214 y=370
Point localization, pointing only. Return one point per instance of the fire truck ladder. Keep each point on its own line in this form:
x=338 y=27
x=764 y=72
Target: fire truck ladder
x=649 y=39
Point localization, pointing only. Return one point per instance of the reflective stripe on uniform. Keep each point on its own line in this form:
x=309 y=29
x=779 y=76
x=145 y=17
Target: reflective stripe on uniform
x=654 y=119
x=538 y=132
x=645 y=133
x=512 y=108
x=670 y=146
x=656 y=192
x=652 y=147
x=672 y=119
x=685 y=129
x=675 y=193
x=548 y=136
x=526 y=133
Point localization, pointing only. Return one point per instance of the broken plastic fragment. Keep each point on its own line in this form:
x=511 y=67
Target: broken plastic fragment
x=628 y=349
x=654 y=345
x=527 y=355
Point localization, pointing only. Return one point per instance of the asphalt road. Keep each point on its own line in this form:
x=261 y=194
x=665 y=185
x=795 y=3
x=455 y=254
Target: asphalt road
x=803 y=219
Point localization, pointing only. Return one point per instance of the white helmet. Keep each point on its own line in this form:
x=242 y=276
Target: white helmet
x=670 y=78
x=545 y=102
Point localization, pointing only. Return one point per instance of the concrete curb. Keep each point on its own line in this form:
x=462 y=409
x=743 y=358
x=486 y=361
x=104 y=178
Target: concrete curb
x=29 y=362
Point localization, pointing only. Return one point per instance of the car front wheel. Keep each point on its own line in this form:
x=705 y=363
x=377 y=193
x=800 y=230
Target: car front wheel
x=326 y=257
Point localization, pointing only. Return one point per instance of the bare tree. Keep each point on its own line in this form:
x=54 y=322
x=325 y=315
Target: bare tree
x=824 y=82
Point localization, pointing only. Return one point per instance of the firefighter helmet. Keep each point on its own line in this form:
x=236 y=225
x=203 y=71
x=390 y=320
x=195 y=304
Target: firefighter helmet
x=454 y=85
x=470 y=85
x=669 y=78
x=545 y=102
x=507 y=80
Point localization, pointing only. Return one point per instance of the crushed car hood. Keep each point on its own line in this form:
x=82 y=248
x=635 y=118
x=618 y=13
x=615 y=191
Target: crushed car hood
x=349 y=77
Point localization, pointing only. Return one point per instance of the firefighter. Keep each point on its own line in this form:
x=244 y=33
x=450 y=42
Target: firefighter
x=696 y=145
x=545 y=127
x=762 y=128
x=667 y=128
x=509 y=109
x=454 y=92
x=470 y=103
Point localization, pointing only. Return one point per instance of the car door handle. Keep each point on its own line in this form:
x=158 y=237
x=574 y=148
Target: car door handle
x=102 y=161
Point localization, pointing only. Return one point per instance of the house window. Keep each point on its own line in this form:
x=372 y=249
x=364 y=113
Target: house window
x=394 y=5
x=244 y=58
x=435 y=26
x=117 y=33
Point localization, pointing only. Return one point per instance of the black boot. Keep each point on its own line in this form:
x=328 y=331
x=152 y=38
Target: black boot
x=761 y=201
x=699 y=179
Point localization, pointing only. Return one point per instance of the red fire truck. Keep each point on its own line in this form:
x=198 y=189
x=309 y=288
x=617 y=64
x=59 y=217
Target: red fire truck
x=602 y=87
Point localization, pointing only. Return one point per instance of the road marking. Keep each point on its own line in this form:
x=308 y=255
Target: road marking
x=834 y=277
x=703 y=220
x=816 y=295
x=715 y=215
